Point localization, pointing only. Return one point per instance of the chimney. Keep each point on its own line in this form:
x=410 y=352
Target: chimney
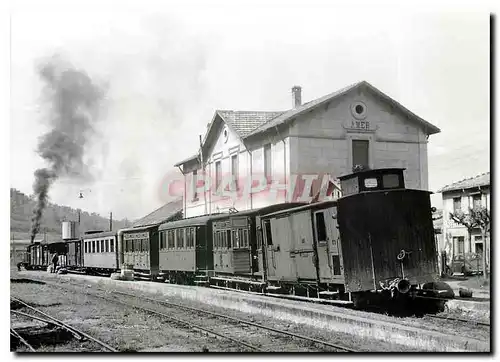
x=297 y=96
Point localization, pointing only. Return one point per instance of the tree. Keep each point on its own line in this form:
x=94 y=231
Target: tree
x=482 y=219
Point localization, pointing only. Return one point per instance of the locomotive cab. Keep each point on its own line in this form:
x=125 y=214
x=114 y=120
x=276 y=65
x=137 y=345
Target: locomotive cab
x=372 y=180
x=386 y=231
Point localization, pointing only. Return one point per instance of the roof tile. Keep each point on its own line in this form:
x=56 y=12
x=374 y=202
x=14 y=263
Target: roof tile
x=161 y=215
x=479 y=180
x=244 y=122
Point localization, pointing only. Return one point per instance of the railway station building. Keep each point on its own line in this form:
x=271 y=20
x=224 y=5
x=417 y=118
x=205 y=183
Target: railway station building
x=252 y=159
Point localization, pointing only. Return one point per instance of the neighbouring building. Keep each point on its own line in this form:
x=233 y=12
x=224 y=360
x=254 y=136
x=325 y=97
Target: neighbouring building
x=297 y=154
x=460 y=196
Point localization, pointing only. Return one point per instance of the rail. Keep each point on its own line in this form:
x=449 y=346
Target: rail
x=66 y=326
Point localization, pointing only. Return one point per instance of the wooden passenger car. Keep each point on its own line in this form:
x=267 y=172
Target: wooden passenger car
x=140 y=250
x=74 y=256
x=185 y=249
x=235 y=252
x=100 y=252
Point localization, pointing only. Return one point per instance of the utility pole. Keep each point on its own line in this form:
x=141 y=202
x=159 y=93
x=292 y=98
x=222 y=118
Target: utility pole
x=111 y=221
x=204 y=176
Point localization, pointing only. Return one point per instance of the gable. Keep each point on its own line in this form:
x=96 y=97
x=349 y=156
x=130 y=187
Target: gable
x=363 y=86
x=340 y=115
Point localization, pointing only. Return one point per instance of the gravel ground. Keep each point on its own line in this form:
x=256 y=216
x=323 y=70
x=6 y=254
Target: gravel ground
x=355 y=342
x=125 y=329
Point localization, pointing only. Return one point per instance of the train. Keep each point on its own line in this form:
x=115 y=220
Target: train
x=373 y=244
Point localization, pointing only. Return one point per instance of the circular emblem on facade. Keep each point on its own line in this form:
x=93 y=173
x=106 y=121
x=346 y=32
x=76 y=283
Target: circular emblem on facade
x=358 y=110
x=225 y=134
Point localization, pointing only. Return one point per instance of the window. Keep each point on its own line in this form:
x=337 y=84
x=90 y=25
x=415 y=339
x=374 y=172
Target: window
x=137 y=246
x=188 y=237
x=195 y=184
x=85 y=245
x=98 y=248
x=390 y=181
x=457 y=204
x=171 y=239
x=267 y=162
x=145 y=245
x=228 y=236
x=180 y=238
x=107 y=245
x=224 y=239
x=246 y=241
x=360 y=153
x=236 y=239
x=336 y=264
x=267 y=230
x=458 y=245
x=102 y=246
x=476 y=201
x=234 y=171
x=320 y=226
x=112 y=245
x=218 y=175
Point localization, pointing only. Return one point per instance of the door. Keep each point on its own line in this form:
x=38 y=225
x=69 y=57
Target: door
x=360 y=153
x=269 y=258
x=329 y=248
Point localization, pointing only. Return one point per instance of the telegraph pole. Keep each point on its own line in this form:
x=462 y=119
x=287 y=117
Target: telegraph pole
x=204 y=176
x=111 y=221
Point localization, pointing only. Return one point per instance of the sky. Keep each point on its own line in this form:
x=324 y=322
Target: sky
x=168 y=69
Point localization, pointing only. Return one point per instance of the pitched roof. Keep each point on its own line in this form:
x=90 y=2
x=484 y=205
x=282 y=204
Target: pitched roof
x=479 y=180
x=249 y=123
x=287 y=116
x=244 y=122
x=161 y=215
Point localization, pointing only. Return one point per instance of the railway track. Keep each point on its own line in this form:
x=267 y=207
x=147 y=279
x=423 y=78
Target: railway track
x=214 y=325
x=51 y=321
x=461 y=320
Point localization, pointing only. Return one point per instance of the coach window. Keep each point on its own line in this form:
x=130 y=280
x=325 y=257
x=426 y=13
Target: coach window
x=320 y=226
x=137 y=245
x=85 y=246
x=180 y=238
x=98 y=246
x=112 y=245
x=245 y=238
x=236 y=242
x=228 y=236
x=267 y=228
x=102 y=246
x=107 y=245
x=93 y=246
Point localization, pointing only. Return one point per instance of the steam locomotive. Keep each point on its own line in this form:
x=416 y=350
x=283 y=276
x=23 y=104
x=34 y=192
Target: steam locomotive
x=375 y=243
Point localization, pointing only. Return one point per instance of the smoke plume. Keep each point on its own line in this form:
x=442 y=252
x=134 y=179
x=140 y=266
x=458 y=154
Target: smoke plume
x=74 y=101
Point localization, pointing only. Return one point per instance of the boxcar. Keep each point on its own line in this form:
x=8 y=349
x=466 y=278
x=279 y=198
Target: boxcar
x=100 y=252
x=185 y=250
x=302 y=250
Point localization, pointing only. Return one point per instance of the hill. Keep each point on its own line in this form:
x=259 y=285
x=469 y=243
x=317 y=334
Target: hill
x=21 y=210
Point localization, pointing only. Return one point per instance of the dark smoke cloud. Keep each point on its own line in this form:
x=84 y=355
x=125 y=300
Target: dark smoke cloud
x=74 y=102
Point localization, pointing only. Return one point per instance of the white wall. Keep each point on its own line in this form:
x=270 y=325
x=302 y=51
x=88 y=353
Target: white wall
x=322 y=139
